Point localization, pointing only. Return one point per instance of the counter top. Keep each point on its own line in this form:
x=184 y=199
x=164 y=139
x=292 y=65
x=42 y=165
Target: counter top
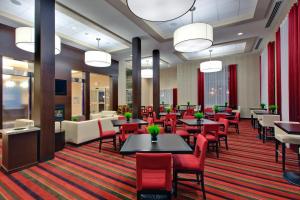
x=13 y=131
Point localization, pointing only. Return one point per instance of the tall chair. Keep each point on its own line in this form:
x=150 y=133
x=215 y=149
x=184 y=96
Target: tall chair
x=223 y=134
x=181 y=132
x=266 y=123
x=156 y=120
x=126 y=130
x=191 y=164
x=235 y=122
x=143 y=130
x=211 y=133
x=106 y=135
x=153 y=174
x=219 y=116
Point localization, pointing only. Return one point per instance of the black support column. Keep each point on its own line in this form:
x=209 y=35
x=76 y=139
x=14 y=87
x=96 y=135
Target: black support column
x=1 y=93
x=44 y=73
x=156 y=80
x=87 y=96
x=136 y=77
x=114 y=92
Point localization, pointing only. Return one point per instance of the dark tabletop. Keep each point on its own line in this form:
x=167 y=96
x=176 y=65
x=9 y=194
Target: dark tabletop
x=172 y=113
x=289 y=128
x=221 y=113
x=195 y=122
x=257 y=109
x=121 y=122
x=166 y=143
x=264 y=112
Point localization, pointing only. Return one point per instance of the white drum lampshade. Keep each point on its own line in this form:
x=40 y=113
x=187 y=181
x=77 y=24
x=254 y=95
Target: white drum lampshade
x=147 y=73
x=160 y=10
x=193 y=37
x=25 y=40
x=97 y=58
x=211 y=66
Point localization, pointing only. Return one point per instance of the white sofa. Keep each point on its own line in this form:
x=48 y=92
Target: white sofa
x=84 y=131
x=103 y=114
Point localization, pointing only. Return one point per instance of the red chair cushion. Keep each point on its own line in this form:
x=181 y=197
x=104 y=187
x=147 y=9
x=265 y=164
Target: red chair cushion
x=108 y=134
x=186 y=162
x=222 y=133
x=233 y=122
x=182 y=133
x=210 y=137
x=153 y=179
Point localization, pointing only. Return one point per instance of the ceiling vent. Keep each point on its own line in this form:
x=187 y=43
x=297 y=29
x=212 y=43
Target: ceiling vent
x=258 y=43
x=276 y=7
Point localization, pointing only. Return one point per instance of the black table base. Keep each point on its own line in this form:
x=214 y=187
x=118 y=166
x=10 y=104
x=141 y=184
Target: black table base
x=292 y=177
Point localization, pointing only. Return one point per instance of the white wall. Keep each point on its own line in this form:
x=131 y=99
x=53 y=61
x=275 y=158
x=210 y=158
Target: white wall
x=248 y=80
x=122 y=84
x=168 y=78
x=147 y=92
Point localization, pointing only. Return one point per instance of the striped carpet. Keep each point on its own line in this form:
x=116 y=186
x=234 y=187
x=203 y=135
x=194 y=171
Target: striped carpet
x=246 y=171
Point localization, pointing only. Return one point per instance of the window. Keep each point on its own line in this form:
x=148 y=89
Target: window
x=216 y=90
x=166 y=96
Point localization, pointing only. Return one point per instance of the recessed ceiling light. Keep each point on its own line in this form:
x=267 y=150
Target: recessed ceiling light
x=74 y=28
x=16 y=2
x=240 y=33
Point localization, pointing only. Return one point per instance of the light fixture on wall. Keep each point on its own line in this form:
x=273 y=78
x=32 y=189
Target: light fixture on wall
x=211 y=65
x=24 y=37
x=158 y=10
x=147 y=73
x=10 y=84
x=193 y=37
x=97 y=58
x=24 y=84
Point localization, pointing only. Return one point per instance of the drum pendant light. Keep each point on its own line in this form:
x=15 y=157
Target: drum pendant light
x=193 y=37
x=159 y=10
x=211 y=65
x=97 y=58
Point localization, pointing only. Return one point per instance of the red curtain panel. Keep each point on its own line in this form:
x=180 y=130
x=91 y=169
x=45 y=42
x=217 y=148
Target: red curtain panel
x=294 y=64
x=271 y=73
x=201 y=89
x=175 y=97
x=278 y=71
x=233 y=92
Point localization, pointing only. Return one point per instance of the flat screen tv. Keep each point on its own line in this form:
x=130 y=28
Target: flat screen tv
x=60 y=87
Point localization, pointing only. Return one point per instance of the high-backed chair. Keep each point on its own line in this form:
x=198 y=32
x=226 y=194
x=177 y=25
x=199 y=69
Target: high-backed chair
x=191 y=164
x=181 y=132
x=169 y=119
x=219 y=116
x=211 y=133
x=267 y=122
x=143 y=130
x=223 y=133
x=228 y=110
x=106 y=135
x=235 y=122
x=156 y=120
x=282 y=138
x=126 y=130
x=153 y=174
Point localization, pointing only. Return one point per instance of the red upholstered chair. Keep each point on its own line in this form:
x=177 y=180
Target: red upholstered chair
x=181 y=132
x=223 y=134
x=169 y=119
x=150 y=111
x=190 y=112
x=228 y=110
x=235 y=122
x=106 y=135
x=143 y=130
x=191 y=164
x=121 y=118
x=153 y=174
x=219 y=116
x=126 y=129
x=191 y=129
x=208 y=109
x=211 y=133
x=157 y=120
x=161 y=109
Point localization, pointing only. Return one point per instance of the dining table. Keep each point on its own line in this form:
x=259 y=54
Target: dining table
x=196 y=122
x=178 y=114
x=166 y=143
x=118 y=123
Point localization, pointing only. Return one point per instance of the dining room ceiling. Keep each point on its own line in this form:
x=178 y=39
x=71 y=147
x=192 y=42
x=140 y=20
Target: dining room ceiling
x=79 y=22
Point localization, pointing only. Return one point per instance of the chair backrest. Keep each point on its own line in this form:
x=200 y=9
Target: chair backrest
x=189 y=111
x=121 y=118
x=219 y=116
x=208 y=109
x=100 y=128
x=212 y=129
x=228 y=110
x=268 y=120
x=150 y=121
x=226 y=124
x=127 y=128
x=171 y=116
x=151 y=162
x=154 y=115
x=200 y=150
x=188 y=117
x=149 y=109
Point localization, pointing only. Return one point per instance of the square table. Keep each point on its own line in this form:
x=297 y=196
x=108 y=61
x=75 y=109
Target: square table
x=118 y=123
x=293 y=129
x=166 y=143
x=195 y=122
x=178 y=114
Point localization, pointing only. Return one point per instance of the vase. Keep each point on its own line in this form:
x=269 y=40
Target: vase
x=128 y=119
x=153 y=138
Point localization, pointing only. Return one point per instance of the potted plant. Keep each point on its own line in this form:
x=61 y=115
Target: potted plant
x=75 y=118
x=262 y=105
x=188 y=103
x=128 y=115
x=216 y=108
x=168 y=110
x=163 y=103
x=273 y=108
x=199 y=115
x=226 y=104
x=153 y=130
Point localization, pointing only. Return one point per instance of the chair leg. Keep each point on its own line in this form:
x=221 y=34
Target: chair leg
x=138 y=195
x=217 y=149
x=115 y=143
x=237 y=129
x=283 y=156
x=100 y=145
x=175 y=182
x=202 y=185
x=226 y=142
x=276 y=150
x=198 y=178
x=264 y=134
